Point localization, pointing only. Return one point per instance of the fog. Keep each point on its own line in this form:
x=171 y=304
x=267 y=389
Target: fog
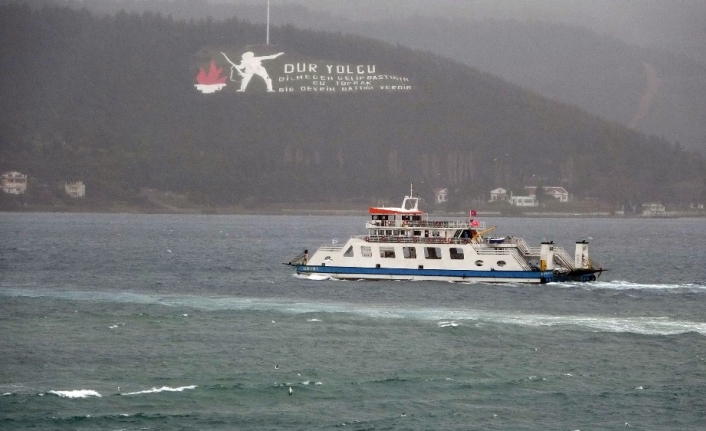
x=678 y=26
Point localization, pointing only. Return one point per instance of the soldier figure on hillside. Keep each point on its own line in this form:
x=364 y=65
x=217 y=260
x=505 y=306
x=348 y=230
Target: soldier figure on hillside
x=249 y=66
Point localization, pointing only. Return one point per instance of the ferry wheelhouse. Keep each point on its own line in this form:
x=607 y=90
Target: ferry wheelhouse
x=404 y=244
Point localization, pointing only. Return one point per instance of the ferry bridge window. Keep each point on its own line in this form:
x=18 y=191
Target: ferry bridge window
x=432 y=252
x=409 y=252
x=349 y=252
x=387 y=252
x=456 y=253
x=365 y=251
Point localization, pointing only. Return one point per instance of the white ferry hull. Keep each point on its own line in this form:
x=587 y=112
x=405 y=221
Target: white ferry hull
x=401 y=274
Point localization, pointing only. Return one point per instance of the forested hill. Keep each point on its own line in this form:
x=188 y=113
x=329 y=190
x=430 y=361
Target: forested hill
x=653 y=91
x=113 y=101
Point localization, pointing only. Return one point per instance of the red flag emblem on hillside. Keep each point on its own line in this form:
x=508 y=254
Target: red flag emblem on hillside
x=212 y=81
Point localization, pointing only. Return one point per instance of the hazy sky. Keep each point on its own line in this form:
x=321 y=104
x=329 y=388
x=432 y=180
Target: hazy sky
x=674 y=24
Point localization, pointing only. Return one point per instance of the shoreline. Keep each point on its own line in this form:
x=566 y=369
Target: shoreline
x=294 y=211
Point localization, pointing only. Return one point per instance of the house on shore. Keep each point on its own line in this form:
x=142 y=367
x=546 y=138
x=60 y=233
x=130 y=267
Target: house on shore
x=653 y=209
x=75 y=189
x=498 y=195
x=441 y=196
x=530 y=199
x=558 y=193
x=14 y=183
x=524 y=201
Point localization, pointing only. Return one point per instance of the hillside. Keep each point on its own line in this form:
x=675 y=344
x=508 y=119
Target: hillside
x=654 y=92
x=111 y=100
x=657 y=92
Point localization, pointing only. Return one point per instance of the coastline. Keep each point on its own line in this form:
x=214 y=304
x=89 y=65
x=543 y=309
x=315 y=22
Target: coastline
x=319 y=209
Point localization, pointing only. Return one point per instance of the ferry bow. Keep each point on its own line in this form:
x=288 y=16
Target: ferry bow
x=404 y=244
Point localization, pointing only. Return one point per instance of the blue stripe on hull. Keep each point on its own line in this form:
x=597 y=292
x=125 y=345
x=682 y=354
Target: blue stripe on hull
x=408 y=273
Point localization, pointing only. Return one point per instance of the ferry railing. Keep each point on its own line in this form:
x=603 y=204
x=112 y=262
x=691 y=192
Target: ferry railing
x=524 y=248
x=564 y=258
x=394 y=239
x=441 y=224
x=482 y=251
x=413 y=239
x=482 y=243
x=328 y=247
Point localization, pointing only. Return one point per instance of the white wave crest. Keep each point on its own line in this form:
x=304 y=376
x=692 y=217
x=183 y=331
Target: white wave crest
x=79 y=393
x=162 y=389
x=447 y=323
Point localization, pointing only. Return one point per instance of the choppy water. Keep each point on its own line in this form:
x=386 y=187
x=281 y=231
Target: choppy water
x=191 y=322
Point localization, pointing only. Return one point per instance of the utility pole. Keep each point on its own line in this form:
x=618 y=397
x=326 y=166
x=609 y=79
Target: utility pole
x=268 y=22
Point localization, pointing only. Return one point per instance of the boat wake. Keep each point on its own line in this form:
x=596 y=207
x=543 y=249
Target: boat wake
x=628 y=285
x=315 y=277
x=443 y=317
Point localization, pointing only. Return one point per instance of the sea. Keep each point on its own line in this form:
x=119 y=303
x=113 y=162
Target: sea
x=193 y=322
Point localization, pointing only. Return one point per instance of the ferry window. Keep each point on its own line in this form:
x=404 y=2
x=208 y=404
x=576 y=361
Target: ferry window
x=409 y=252
x=479 y=263
x=349 y=252
x=456 y=253
x=365 y=251
x=387 y=252
x=501 y=263
x=432 y=252
x=388 y=232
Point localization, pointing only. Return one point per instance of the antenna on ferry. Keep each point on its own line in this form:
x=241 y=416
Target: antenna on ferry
x=410 y=190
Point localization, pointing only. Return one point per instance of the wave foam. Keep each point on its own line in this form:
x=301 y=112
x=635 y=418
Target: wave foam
x=79 y=393
x=162 y=389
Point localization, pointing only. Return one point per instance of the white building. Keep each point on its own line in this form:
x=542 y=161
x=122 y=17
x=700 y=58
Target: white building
x=13 y=183
x=558 y=193
x=653 y=209
x=524 y=201
x=441 y=195
x=498 y=195
x=75 y=189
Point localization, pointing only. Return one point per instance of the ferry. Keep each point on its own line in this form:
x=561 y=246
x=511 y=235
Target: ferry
x=405 y=244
